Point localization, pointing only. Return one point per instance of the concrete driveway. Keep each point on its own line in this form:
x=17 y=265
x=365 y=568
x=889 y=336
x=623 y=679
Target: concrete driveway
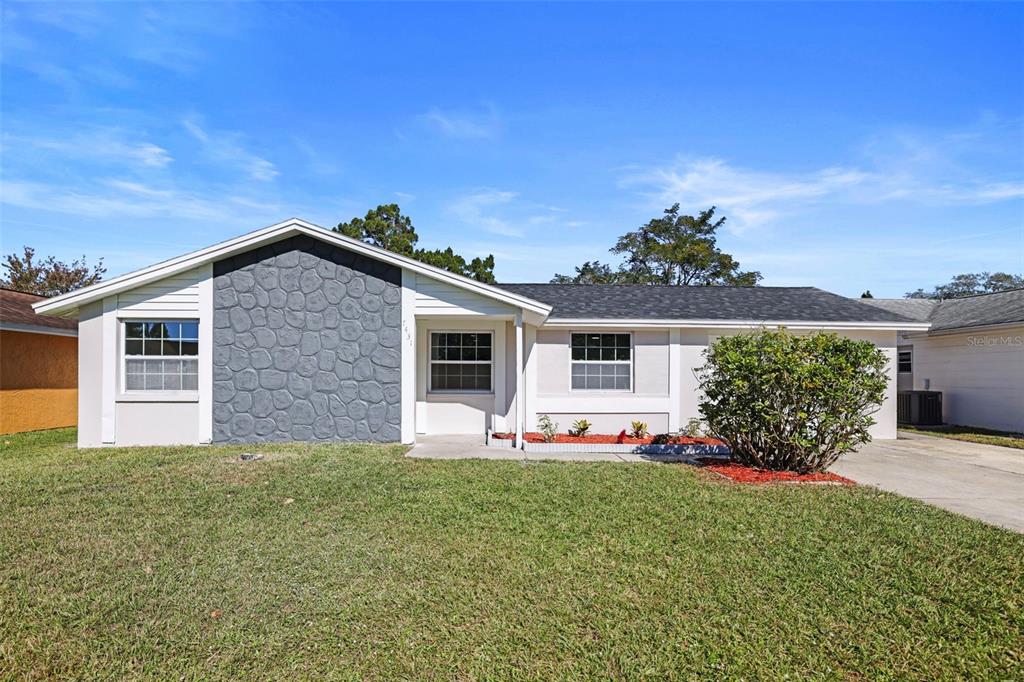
x=984 y=482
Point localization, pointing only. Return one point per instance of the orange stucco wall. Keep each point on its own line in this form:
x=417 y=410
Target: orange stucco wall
x=38 y=381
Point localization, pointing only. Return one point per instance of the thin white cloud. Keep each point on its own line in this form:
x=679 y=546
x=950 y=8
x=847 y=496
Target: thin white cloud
x=756 y=198
x=314 y=159
x=226 y=148
x=953 y=168
x=473 y=209
x=104 y=145
x=116 y=198
x=463 y=125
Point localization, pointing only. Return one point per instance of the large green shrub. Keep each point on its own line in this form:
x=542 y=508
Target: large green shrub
x=788 y=402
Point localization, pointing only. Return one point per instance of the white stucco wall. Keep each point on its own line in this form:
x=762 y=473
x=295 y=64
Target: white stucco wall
x=90 y=375
x=152 y=423
x=651 y=400
x=107 y=414
x=609 y=411
x=980 y=374
x=465 y=412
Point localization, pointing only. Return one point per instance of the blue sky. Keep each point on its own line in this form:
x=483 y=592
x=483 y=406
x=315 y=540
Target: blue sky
x=851 y=147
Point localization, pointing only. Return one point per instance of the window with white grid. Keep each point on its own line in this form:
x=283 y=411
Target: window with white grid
x=601 y=362
x=161 y=355
x=460 y=362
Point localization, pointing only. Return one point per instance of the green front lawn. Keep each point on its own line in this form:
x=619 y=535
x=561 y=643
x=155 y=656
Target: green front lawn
x=972 y=434
x=355 y=562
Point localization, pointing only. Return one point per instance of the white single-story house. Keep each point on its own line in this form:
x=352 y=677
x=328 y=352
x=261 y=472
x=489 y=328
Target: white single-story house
x=294 y=332
x=973 y=353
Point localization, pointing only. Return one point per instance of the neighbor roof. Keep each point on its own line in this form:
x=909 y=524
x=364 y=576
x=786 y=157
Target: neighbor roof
x=713 y=303
x=915 y=308
x=983 y=310
x=16 y=314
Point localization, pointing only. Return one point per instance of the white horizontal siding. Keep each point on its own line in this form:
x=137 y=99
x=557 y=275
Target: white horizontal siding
x=979 y=373
x=177 y=295
x=439 y=298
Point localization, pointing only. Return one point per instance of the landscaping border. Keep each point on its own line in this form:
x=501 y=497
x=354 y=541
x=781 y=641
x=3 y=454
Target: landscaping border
x=505 y=443
x=691 y=450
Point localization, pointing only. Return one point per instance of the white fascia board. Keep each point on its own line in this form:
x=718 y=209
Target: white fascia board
x=730 y=324
x=981 y=328
x=36 y=329
x=68 y=303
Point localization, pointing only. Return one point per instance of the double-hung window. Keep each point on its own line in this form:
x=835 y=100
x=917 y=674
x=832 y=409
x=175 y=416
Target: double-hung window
x=161 y=355
x=460 y=362
x=905 y=360
x=601 y=362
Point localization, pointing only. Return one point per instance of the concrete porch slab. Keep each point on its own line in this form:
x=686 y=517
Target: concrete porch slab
x=458 y=446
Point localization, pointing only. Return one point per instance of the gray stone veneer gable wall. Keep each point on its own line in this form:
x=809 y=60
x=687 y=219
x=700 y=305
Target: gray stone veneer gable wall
x=306 y=345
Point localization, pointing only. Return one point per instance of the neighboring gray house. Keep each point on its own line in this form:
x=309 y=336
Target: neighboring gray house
x=973 y=352
x=294 y=332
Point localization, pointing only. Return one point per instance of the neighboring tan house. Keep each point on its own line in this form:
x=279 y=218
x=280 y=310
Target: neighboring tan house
x=38 y=366
x=973 y=353
x=294 y=332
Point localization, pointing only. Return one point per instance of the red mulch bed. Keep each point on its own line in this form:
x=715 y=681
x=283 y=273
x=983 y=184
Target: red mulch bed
x=742 y=474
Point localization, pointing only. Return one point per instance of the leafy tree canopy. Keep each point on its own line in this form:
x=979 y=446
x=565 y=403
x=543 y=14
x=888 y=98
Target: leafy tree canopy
x=672 y=249
x=49 y=277
x=386 y=227
x=591 y=272
x=970 y=284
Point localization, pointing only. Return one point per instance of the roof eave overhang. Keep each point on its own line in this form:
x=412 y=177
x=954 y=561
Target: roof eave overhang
x=973 y=329
x=563 y=323
x=67 y=305
x=36 y=329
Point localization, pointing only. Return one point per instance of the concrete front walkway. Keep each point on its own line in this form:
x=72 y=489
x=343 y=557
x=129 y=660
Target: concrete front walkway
x=985 y=482
x=472 y=447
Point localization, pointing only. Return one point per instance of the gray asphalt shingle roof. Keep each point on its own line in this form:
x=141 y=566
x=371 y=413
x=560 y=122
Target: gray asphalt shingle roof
x=920 y=309
x=1004 y=307
x=639 y=301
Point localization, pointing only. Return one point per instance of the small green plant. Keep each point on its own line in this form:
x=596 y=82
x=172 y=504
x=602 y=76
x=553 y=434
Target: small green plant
x=579 y=428
x=548 y=429
x=664 y=439
x=638 y=429
x=694 y=428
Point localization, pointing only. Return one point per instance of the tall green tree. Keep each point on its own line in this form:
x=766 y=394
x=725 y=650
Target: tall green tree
x=971 y=284
x=48 y=277
x=674 y=249
x=386 y=227
x=591 y=272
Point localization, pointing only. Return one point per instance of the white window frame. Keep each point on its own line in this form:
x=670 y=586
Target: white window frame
x=431 y=362
x=904 y=349
x=632 y=356
x=122 y=338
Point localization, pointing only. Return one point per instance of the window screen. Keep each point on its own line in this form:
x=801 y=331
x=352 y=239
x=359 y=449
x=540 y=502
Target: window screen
x=905 y=361
x=460 y=361
x=601 y=362
x=161 y=355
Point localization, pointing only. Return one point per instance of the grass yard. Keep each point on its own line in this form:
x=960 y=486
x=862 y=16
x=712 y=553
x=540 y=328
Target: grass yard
x=971 y=434
x=355 y=562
